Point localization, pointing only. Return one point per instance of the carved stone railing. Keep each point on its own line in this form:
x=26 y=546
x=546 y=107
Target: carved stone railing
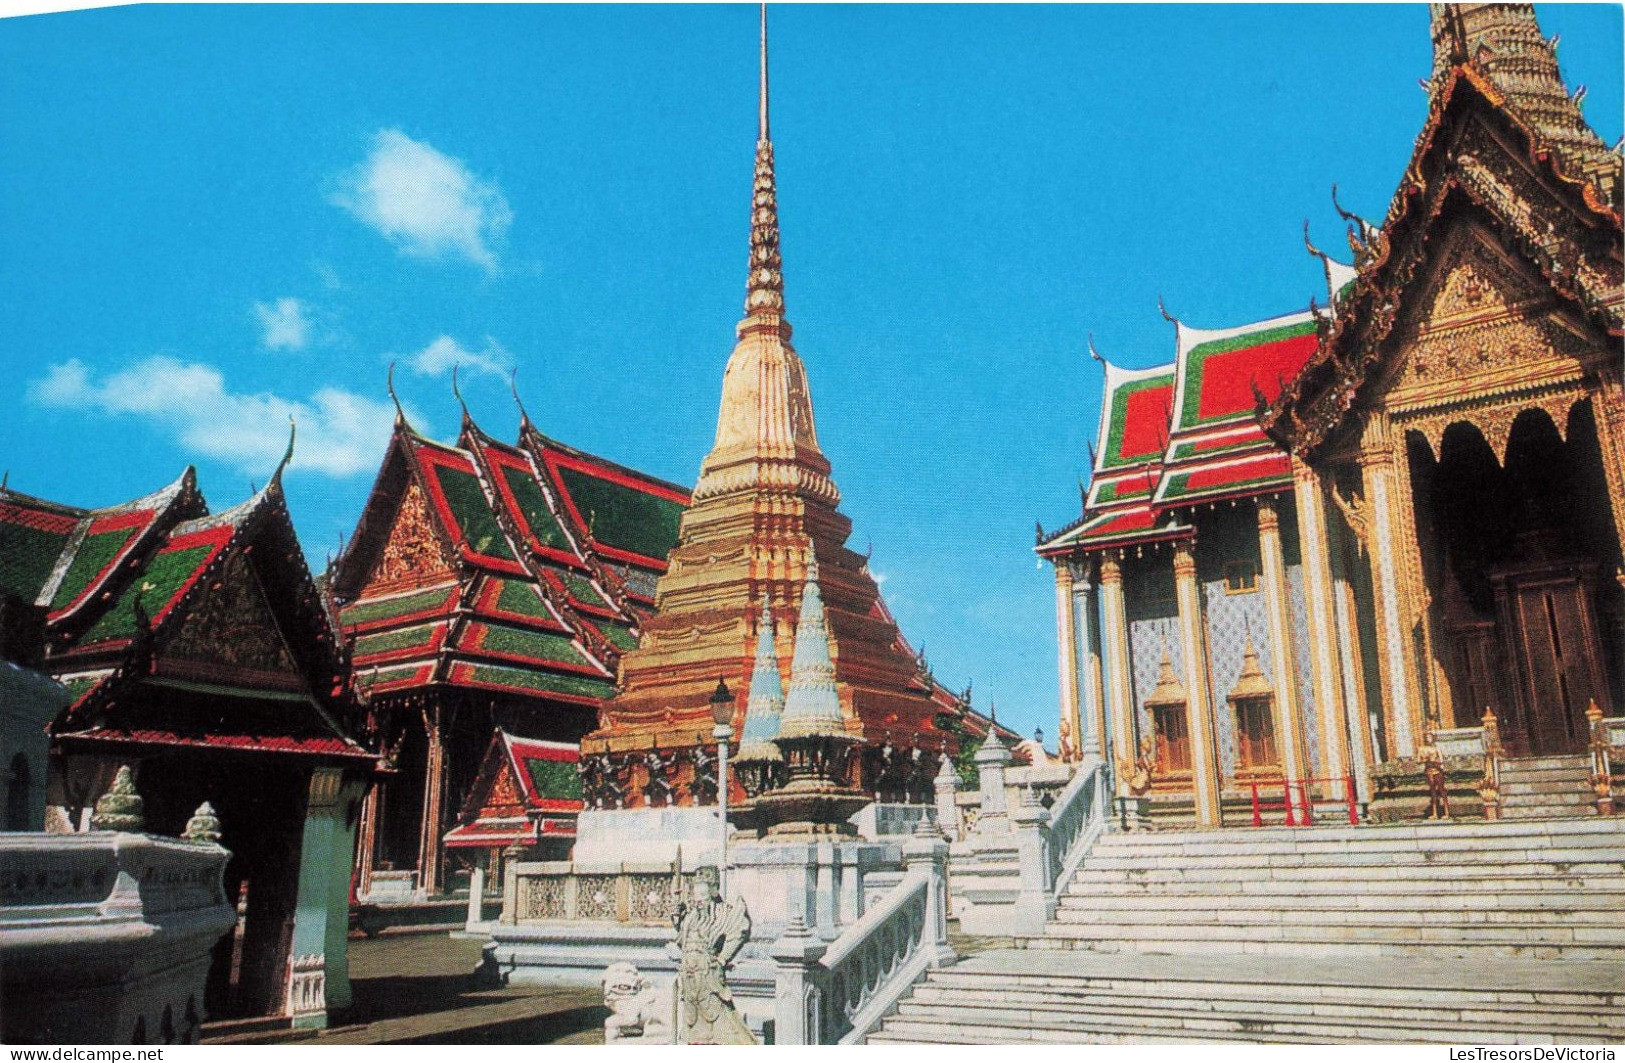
x=1077 y=819
x=838 y=993
x=560 y=891
x=106 y=937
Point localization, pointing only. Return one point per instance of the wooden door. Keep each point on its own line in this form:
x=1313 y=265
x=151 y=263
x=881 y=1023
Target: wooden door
x=1553 y=638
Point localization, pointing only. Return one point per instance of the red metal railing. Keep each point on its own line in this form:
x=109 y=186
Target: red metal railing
x=1297 y=803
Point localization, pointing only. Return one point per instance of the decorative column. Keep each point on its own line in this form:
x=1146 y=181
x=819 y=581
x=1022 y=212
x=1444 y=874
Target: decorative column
x=434 y=786
x=366 y=843
x=1092 y=698
x=1283 y=668
x=1119 y=693
x=319 y=972
x=991 y=760
x=1199 y=707
x=1066 y=637
x=1608 y=411
x=947 y=788
x=1384 y=497
x=1314 y=547
x=796 y=995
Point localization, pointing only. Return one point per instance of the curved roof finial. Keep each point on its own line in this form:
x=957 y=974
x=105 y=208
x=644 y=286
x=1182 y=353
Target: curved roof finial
x=1095 y=354
x=457 y=391
x=389 y=382
x=1310 y=244
x=287 y=455
x=1166 y=316
x=1366 y=228
x=513 y=387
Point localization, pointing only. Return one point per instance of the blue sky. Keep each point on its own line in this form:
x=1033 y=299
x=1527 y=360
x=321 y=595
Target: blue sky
x=212 y=217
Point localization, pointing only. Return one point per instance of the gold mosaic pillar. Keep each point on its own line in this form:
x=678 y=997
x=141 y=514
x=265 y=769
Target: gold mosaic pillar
x=1326 y=679
x=1283 y=667
x=1608 y=411
x=1090 y=684
x=1393 y=546
x=1119 y=692
x=1066 y=637
x=1199 y=707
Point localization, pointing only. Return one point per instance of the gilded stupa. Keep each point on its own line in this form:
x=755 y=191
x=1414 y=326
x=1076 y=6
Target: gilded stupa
x=764 y=508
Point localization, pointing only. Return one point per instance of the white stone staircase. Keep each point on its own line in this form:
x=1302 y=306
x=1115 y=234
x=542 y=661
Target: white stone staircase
x=1481 y=932
x=1546 y=787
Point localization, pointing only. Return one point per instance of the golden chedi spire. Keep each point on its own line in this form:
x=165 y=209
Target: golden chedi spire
x=765 y=431
x=764 y=513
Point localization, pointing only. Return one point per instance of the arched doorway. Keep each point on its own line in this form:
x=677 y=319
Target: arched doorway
x=1516 y=555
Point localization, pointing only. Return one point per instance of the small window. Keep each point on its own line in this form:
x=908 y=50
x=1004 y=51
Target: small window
x=1255 y=736
x=1240 y=577
x=1173 y=739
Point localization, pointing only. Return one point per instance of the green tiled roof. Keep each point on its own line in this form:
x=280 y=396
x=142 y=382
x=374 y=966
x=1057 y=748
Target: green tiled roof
x=539 y=646
x=545 y=682
x=417 y=637
x=623 y=517
x=582 y=590
x=88 y=561
x=166 y=574
x=472 y=512
x=619 y=635
x=78 y=686
x=555 y=780
x=384 y=608
x=533 y=504
x=519 y=597
x=27 y=556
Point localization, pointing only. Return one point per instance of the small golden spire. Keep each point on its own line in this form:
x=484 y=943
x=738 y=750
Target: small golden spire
x=764 y=293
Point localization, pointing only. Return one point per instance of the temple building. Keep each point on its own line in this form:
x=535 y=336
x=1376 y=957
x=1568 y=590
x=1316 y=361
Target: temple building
x=196 y=651
x=1317 y=546
x=764 y=508
x=488 y=594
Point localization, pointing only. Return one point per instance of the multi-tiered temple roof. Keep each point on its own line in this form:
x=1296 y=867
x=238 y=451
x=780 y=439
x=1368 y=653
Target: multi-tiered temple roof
x=1186 y=432
x=523 y=569
x=174 y=627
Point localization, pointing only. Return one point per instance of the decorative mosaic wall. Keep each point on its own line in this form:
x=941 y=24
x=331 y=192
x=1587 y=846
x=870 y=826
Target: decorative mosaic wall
x=1303 y=645
x=1230 y=617
x=1153 y=628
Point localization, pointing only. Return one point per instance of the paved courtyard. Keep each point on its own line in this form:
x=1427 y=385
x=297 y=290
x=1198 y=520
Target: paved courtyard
x=420 y=989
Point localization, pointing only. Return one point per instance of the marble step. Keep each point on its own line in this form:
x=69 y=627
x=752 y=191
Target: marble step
x=1547 y=810
x=1509 y=837
x=1195 y=912
x=1544 y=786
x=1429 y=834
x=1449 y=1002
x=1611 y=899
x=1554 y=943
x=1053 y=1007
x=967 y=1023
x=1203 y=877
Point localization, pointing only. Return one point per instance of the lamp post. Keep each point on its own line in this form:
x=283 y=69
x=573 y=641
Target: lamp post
x=722 y=712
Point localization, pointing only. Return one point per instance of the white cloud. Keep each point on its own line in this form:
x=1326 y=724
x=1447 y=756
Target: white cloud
x=438 y=358
x=426 y=203
x=340 y=433
x=285 y=324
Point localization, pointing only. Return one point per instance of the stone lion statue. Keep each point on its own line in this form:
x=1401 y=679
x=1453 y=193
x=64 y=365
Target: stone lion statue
x=640 y=1013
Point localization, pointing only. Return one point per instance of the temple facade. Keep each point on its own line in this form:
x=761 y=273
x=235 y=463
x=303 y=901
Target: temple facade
x=487 y=597
x=200 y=666
x=1318 y=547
x=764 y=509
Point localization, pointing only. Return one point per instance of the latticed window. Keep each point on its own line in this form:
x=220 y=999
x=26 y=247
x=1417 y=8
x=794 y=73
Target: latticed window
x=1255 y=735
x=1173 y=739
